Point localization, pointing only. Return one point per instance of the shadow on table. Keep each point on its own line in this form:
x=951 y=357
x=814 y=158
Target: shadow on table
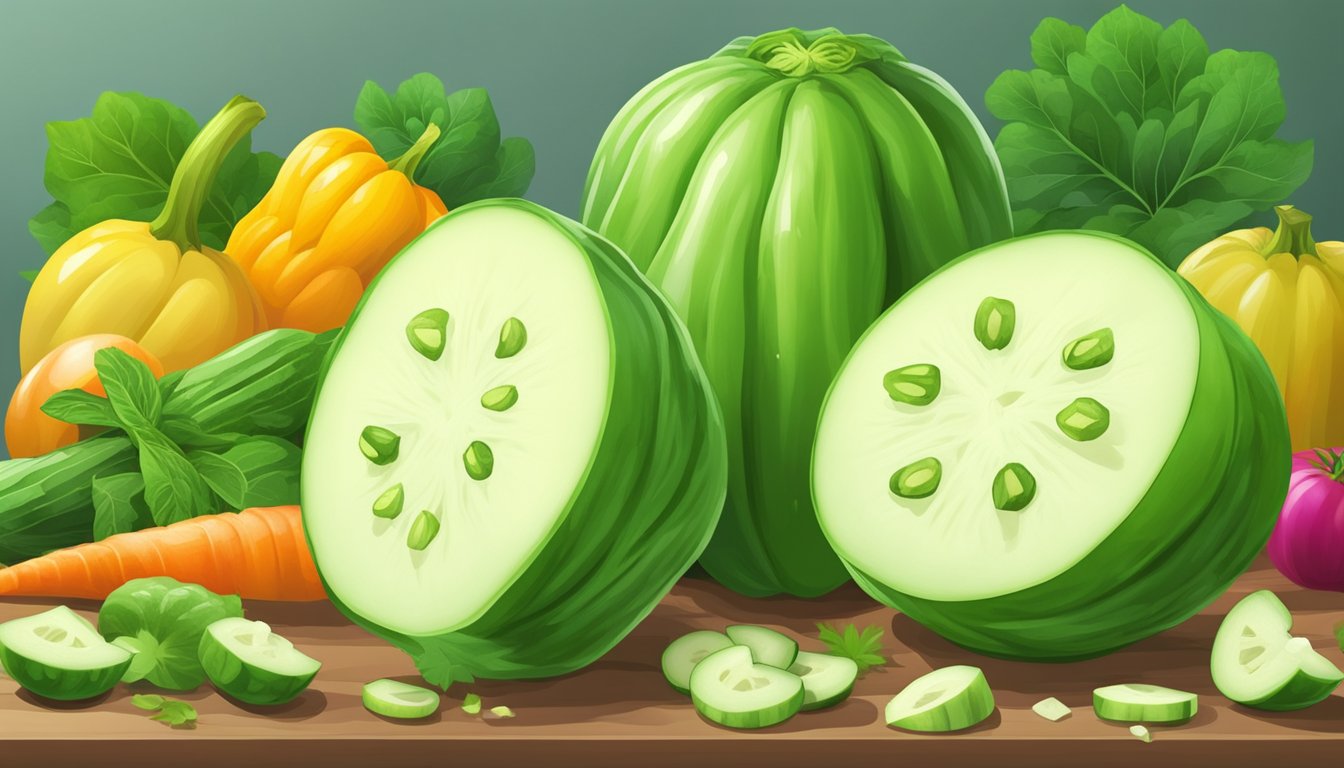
x=1326 y=717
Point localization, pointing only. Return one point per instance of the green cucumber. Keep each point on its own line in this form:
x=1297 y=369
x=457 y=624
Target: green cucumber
x=827 y=680
x=1258 y=663
x=403 y=701
x=767 y=646
x=729 y=689
x=948 y=699
x=1143 y=703
x=59 y=655
x=685 y=652
x=252 y=664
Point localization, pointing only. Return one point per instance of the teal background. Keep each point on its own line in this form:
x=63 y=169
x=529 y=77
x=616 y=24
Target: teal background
x=557 y=71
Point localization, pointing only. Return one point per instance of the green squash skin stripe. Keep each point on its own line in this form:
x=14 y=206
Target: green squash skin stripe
x=1094 y=612
x=587 y=587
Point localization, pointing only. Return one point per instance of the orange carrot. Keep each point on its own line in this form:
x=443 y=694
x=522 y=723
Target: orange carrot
x=258 y=554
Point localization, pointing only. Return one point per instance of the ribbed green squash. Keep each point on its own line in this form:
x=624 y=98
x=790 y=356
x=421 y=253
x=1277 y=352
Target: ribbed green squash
x=781 y=193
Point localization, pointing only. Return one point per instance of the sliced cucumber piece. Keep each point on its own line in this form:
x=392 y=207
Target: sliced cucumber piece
x=249 y=662
x=827 y=680
x=1051 y=709
x=1142 y=703
x=729 y=689
x=767 y=646
x=688 y=650
x=1141 y=733
x=59 y=655
x=948 y=699
x=1256 y=662
x=403 y=701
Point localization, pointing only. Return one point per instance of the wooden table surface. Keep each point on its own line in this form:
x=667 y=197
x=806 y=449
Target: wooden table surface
x=620 y=711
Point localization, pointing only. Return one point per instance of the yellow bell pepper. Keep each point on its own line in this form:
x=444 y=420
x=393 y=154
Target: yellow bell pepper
x=336 y=214
x=152 y=282
x=1287 y=293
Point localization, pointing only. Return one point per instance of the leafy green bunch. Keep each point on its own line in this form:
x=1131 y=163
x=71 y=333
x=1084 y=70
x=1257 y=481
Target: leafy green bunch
x=1138 y=130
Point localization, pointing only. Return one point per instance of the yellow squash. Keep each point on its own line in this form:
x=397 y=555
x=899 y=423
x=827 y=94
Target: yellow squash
x=336 y=214
x=1287 y=292
x=152 y=282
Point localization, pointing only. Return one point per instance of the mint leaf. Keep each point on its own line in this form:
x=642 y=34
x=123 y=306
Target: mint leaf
x=118 y=163
x=255 y=472
x=119 y=505
x=131 y=389
x=176 y=714
x=75 y=406
x=148 y=701
x=1135 y=129
x=174 y=489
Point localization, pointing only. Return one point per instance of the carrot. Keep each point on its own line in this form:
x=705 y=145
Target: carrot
x=257 y=553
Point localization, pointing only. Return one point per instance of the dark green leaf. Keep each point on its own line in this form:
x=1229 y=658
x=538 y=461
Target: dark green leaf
x=51 y=227
x=168 y=384
x=256 y=472
x=507 y=176
x=75 y=406
x=174 y=490
x=131 y=388
x=1052 y=43
x=119 y=505
x=438 y=667
x=188 y=434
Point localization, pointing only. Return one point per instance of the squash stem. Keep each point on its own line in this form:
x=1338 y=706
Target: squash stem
x=178 y=222
x=410 y=160
x=1293 y=235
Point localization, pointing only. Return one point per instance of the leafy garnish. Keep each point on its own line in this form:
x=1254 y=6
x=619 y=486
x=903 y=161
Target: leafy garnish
x=863 y=648
x=118 y=163
x=502 y=712
x=171 y=712
x=471 y=704
x=438 y=668
x=468 y=161
x=1330 y=462
x=119 y=505
x=1137 y=130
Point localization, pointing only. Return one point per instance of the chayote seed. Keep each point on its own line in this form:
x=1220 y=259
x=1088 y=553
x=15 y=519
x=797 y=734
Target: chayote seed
x=995 y=321
x=914 y=384
x=379 y=445
x=917 y=480
x=512 y=337
x=479 y=460
x=428 y=332
x=1084 y=419
x=389 y=502
x=1014 y=488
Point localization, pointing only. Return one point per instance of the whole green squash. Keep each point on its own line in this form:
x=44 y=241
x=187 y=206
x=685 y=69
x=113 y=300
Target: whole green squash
x=781 y=193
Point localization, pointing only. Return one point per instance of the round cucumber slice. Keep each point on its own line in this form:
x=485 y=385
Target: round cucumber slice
x=1014 y=455
x=827 y=680
x=1258 y=663
x=403 y=701
x=767 y=646
x=729 y=689
x=1142 y=703
x=947 y=699
x=688 y=650
x=248 y=661
x=59 y=655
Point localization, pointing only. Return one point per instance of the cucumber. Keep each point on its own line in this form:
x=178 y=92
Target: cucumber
x=59 y=655
x=767 y=646
x=252 y=664
x=1051 y=709
x=403 y=701
x=827 y=680
x=729 y=689
x=1142 y=703
x=688 y=650
x=1258 y=663
x=948 y=699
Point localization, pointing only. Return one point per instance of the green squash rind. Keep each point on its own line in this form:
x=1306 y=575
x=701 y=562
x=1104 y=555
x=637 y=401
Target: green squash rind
x=248 y=682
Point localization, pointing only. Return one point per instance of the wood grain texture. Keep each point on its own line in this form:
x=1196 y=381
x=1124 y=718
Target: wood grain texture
x=620 y=712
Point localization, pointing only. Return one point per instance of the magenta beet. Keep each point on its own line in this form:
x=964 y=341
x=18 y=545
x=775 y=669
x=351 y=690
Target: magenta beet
x=1308 y=542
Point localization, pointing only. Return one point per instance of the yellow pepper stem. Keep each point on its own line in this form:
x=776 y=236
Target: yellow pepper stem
x=408 y=162
x=1293 y=235
x=195 y=174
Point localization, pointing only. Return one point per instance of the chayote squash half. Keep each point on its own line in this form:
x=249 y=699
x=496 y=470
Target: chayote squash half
x=781 y=193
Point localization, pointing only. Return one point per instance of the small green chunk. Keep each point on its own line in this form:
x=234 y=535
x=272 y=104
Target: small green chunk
x=1014 y=488
x=914 y=384
x=479 y=460
x=389 y=502
x=501 y=711
x=1084 y=419
x=917 y=480
x=1091 y=351
x=1141 y=733
x=994 y=322
x=500 y=398
x=428 y=333
x=379 y=445
x=471 y=704
x=1051 y=709
x=512 y=337
x=423 y=530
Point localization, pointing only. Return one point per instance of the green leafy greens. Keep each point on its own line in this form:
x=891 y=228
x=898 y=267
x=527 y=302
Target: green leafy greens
x=468 y=161
x=171 y=712
x=863 y=648
x=118 y=162
x=1138 y=130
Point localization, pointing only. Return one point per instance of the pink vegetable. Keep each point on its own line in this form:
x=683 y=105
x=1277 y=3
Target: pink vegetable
x=1308 y=542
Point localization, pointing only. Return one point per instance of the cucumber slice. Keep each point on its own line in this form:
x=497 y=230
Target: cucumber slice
x=948 y=699
x=248 y=661
x=729 y=689
x=59 y=655
x=827 y=680
x=1258 y=663
x=767 y=646
x=1051 y=709
x=1142 y=703
x=688 y=650
x=403 y=701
